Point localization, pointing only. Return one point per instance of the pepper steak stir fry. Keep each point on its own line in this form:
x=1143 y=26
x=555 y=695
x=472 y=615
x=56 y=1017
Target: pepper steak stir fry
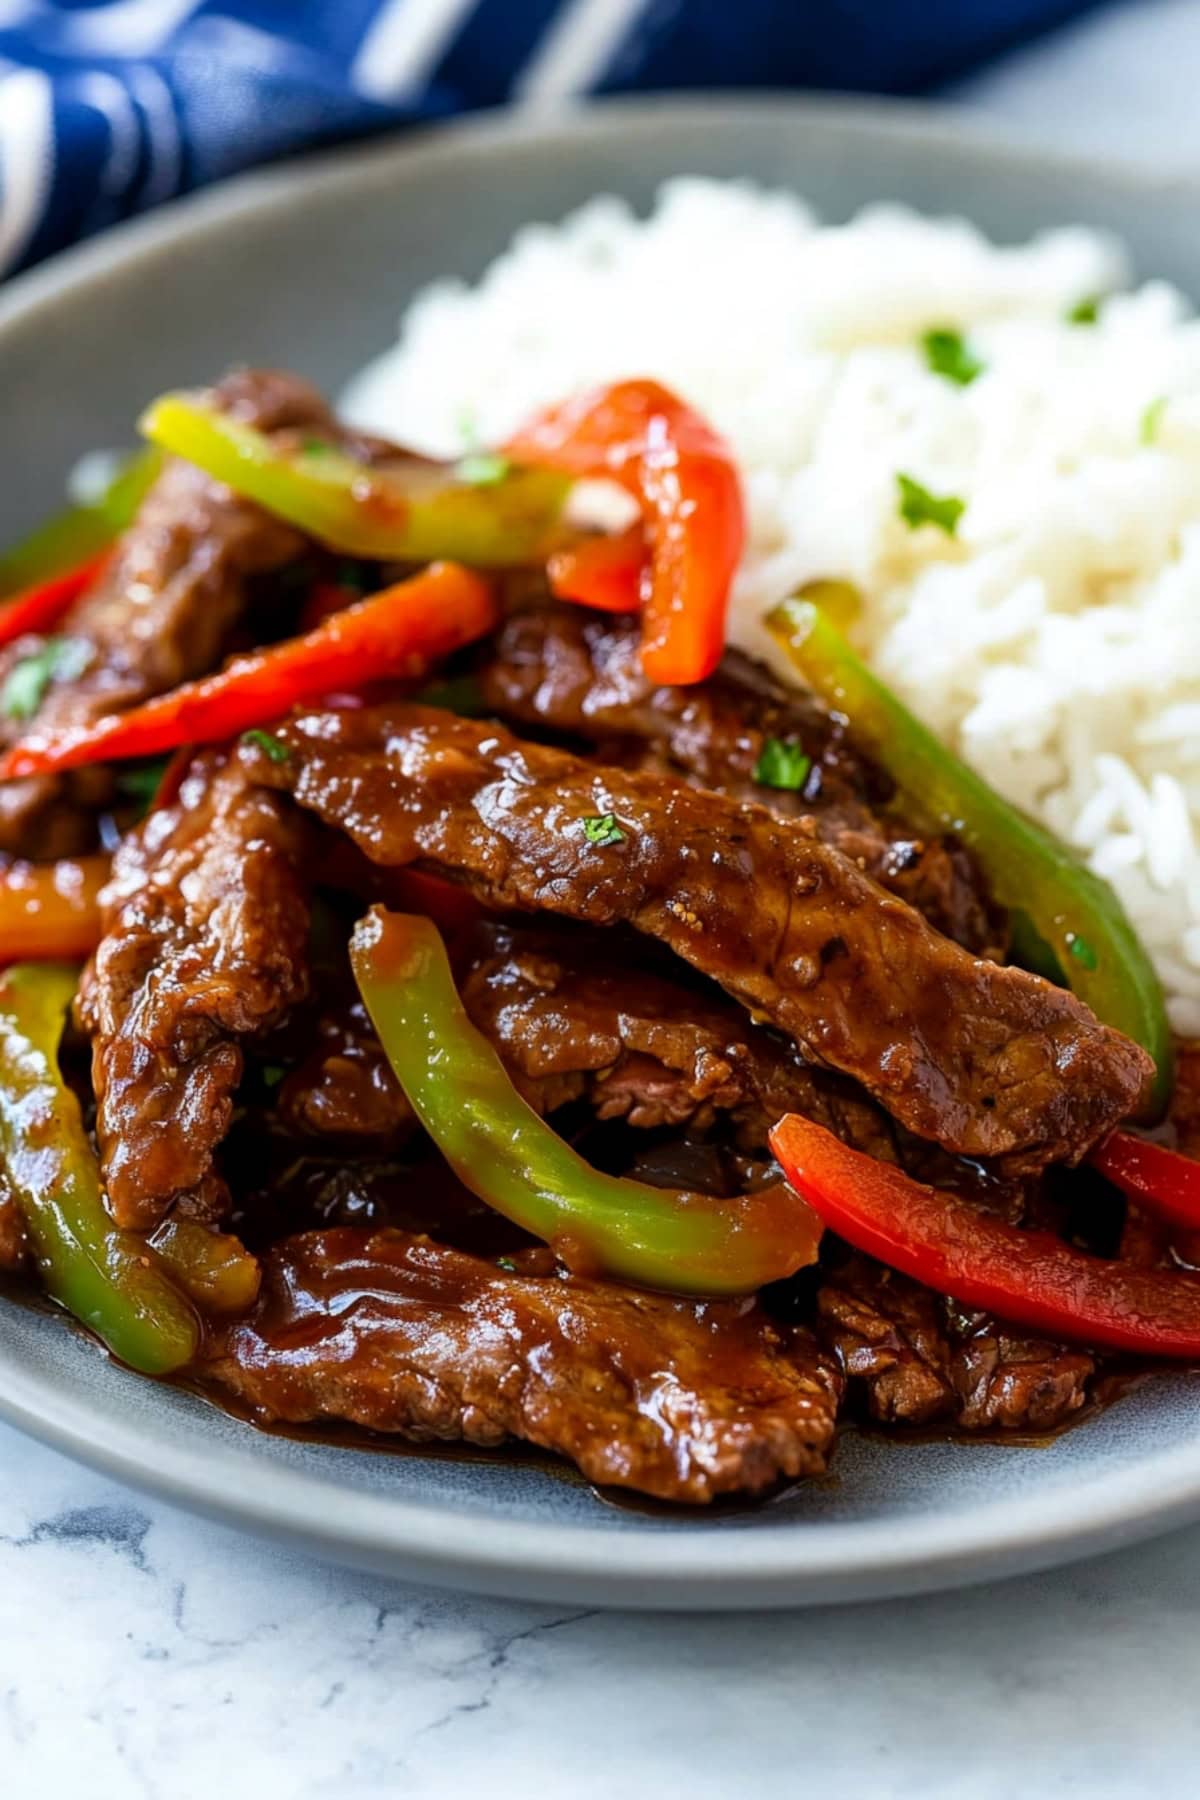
x=504 y=1013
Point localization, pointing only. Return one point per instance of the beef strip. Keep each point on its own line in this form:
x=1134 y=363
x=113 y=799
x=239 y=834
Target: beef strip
x=205 y=943
x=578 y=674
x=675 y=1399
x=344 y=1087
x=574 y=1023
x=1185 y=1099
x=160 y=613
x=987 y=1061
x=920 y=1359
x=630 y=1041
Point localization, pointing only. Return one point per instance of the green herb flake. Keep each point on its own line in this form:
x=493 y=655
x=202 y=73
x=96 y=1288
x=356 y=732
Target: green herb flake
x=919 y=507
x=59 y=659
x=482 y=468
x=272 y=1074
x=459 y=694
x=351 y=577
x=781 y=765
x=1082 y=951
x=273 y=748
x=602 y=829
x=948 y=354
x=1151 y=419
x=1085 y=311
x=139 y=782
x=506 y=1262
x=315 y=446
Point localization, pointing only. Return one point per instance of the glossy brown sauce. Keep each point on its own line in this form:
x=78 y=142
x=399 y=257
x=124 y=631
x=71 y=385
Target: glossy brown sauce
x=1108 y=1390
x=1110 y=1387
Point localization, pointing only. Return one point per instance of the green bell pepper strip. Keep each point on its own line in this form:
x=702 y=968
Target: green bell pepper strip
x=108 y=1278
x=1062 y=910
x=417 y=513
x=78 y=533
x=509 y=1157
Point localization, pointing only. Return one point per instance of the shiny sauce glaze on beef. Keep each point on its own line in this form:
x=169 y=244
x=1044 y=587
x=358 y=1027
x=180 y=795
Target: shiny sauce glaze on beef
x=737 y=951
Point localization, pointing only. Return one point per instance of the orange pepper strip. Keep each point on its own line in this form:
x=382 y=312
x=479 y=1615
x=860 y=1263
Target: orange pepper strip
x=398 y=633
x=1029 y=1277
x=40 y=608
x=683 y=476
x=50 y=912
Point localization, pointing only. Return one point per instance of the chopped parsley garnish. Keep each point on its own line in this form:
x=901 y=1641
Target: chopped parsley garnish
x=1085 y=311
x=781 y=765
x=459 y=694
x=273 y=748
x=139 y=782
x=603 y=829
x=1082 y=951
x=1152 y=419
x=482 y=468
x=506 y=1262
x=59 y=659
x=919 y=507
x=350 y=576
x=949 y=355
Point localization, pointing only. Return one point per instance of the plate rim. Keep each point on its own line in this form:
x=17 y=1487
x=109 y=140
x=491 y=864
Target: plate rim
x=694 y=1567
x=698 y=1567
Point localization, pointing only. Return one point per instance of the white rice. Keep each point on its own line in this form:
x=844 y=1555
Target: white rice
x=1055 y=640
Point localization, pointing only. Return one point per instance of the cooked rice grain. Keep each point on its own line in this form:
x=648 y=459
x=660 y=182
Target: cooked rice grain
x=1055 y=639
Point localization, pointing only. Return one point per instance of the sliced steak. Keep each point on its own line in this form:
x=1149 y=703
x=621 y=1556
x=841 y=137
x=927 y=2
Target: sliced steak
x=580 y=675
x=1185 y=1099
x=344 y=1087
x=986 y=1061
x=629 y=1040
x=679 y=1400
x=920 y=1360
x=572 y=1021
x=160 y=613
x=886 y=1334
x=1006 y=1381
x=206 y=926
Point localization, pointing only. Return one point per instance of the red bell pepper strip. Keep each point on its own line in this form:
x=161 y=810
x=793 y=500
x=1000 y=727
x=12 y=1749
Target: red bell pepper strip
x=50 y=912
x=397 y=633
x=1029 y=1277
x=603 y=572
x=41 y=607
x=167 y=791
x=324 y=599
x=683 y=476
x=1165 y=1182
x=451 y=908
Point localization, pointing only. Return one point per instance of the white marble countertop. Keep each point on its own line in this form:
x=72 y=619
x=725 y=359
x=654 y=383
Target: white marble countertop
x=144 y=1653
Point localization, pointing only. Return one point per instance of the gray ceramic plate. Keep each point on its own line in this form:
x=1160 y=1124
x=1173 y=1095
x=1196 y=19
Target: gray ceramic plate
x=308 y=266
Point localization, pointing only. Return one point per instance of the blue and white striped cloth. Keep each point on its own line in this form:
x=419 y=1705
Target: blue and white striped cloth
x=108 y=106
